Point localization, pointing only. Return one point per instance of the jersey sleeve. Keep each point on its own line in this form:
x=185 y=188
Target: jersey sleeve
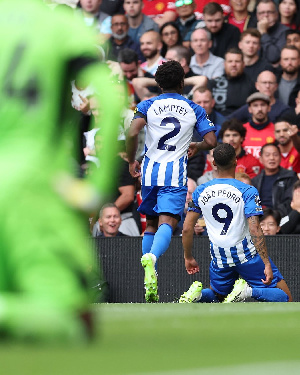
x=141 y=110
x=252 y=202
x=193 y=205
x=203 y=124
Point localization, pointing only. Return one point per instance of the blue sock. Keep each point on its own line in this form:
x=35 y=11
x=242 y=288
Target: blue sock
x=208 y=296
x=269 y=295
x=147 y=242
x=162 y=240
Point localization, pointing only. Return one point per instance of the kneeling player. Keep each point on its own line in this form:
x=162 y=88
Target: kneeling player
x=237 y=244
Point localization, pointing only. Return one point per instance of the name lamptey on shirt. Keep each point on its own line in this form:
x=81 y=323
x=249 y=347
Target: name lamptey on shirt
x=171 y=120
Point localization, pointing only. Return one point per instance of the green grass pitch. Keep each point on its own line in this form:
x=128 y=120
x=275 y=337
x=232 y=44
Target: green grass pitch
x=165 y=339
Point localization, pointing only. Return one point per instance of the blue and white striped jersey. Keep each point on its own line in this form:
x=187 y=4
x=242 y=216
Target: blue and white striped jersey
x=226 y=204
x=171 y=119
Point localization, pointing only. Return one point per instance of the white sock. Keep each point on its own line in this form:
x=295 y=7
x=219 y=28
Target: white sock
x=153 y=258
x=247 y=291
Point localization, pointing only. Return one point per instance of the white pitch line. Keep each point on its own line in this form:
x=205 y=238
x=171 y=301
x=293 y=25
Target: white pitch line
x=265 y=368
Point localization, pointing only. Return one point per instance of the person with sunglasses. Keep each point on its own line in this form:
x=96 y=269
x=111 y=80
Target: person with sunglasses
x=186 y=20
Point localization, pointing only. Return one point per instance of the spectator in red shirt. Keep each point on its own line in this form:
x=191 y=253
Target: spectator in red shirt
x=233 y=132
x=161 y=11
x=259 y=129
x=290 y=158
x=239 y=16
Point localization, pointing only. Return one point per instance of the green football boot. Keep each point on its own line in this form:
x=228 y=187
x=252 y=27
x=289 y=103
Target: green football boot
x=241 y=290
x=193 y=294
x=150 y=279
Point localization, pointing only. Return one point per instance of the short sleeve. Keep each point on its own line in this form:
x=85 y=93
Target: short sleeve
x=193 y=205
x=203 y=124
x=252 y=202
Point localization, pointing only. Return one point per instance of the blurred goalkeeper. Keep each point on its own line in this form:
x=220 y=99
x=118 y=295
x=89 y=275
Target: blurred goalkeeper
x=45 y=263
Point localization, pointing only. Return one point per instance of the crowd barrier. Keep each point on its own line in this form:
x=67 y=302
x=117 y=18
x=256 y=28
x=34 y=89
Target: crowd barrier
x=119 y=259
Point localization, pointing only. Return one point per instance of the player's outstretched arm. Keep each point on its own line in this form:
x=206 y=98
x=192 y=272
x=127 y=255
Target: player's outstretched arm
x=209 y=142
x=259 y=242
x=187 y=241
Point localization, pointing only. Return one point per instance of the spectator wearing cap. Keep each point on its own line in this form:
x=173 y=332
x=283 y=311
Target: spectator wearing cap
x=266 y=83
x=186 y=20
x=260 y=130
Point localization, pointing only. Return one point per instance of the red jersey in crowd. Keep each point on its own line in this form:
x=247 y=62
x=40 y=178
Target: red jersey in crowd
x=291 y=160
x=153 y=8
x=247 y=163
x=255 y=138
x=239 y=24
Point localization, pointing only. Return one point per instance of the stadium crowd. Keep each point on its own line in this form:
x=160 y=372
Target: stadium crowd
x=241 y=62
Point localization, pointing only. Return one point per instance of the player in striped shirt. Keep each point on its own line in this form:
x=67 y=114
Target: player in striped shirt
x=170 y=120
x=237 y=244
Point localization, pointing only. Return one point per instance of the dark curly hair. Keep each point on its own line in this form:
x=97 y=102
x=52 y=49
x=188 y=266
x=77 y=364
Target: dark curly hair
x=233 y=125
x=169 y=75
x=224 y=156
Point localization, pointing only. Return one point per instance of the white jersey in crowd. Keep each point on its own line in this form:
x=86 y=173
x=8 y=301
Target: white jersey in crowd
x=171 y=120
x=226 y=204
